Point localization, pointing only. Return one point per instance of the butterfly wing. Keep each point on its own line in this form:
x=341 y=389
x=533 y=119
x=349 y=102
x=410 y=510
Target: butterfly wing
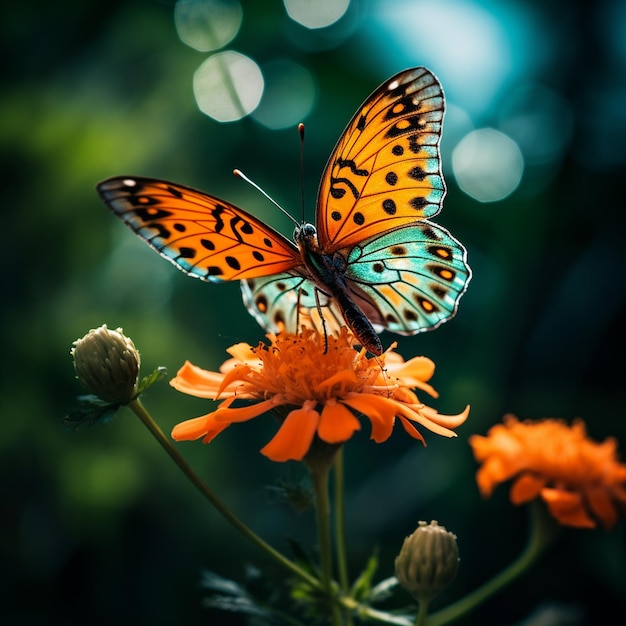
x=286 y=302
x=410 y=279
x=385 y=170
x=203 y=236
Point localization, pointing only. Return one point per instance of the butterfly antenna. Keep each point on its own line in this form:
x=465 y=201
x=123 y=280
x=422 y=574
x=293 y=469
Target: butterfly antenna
x=301 y=132
x=240 y=174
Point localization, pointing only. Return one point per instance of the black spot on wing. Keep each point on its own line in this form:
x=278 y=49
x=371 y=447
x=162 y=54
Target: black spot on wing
x=261 y=303
x=186 y=253
x=148 y=214
x=417 y=173
x=391 y=178
x=177 y=193
x=418 y=203
x=162 y=231
x=232 y=262
x=389 y=206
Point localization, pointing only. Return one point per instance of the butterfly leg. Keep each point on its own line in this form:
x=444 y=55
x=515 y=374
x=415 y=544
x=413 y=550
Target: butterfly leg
x=319 y=310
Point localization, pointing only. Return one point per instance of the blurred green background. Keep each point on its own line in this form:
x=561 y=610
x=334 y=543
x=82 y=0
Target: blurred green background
x=97 y=526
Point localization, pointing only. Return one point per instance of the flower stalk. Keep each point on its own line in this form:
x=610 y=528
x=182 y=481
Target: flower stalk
x=319 y=480
x=140 y=411
x=542 y=532
x=340 y=522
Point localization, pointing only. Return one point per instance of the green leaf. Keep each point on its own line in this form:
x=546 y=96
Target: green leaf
x=149 y=380
x=90 y=410
x=363 y=584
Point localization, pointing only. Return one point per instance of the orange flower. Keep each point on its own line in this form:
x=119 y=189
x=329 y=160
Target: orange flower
x=577 y=478
x=320 y=393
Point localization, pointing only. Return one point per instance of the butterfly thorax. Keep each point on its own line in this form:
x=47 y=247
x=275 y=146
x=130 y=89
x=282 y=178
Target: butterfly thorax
x=327 y=271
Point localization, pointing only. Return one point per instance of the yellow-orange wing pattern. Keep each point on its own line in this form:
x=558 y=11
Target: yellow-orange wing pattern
x=385 y=170
x=204 y=236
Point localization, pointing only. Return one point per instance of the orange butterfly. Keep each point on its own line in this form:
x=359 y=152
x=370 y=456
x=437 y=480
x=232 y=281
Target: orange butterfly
x=372 y=261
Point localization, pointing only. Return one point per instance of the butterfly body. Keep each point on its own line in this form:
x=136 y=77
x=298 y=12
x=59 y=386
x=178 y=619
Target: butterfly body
x=373 y=260
x=327 y=272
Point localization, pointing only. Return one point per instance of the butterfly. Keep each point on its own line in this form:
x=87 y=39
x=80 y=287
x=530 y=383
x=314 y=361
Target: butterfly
x=372 y=261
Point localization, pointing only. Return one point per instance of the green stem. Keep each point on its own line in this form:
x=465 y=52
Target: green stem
x=340 y=529
x=541 y=534
x=340 y=523
x=319 y=479
x=422 y=612
x=140 y=411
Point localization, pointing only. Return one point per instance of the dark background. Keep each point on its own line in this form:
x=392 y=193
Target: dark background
x=98 y=526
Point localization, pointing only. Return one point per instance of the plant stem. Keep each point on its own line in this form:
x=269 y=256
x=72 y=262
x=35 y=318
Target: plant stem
x=542 y=531
x=140 y=411
x=319 y=480
x=340 y=528
x=422 y=612
x=340 y=522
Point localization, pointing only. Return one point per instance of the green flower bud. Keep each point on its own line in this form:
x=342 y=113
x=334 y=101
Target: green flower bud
x=428 y=561
x=107 y=364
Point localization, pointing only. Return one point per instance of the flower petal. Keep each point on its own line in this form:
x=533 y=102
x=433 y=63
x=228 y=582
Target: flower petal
x=245 y=413
x=526 y=488
x=237 y=375
x=341 y=378
x=294 y=437
x=242 y=352
x=493 y=472
x=602 y=506
x=429 y=418
x=408 y=426
x=378 y=410
x=337 y=423
x=195 y=381
x=413 y=373
x=567 y=508
x=204 y=426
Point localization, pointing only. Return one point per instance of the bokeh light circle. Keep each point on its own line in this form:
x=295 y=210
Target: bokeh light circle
x=289 y=96
x=207 y=25
x=228 y=86
x=488 y=165
x=318 y=14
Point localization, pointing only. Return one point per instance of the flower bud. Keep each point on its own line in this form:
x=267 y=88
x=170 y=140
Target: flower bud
x=107 y=364
x=428 y=561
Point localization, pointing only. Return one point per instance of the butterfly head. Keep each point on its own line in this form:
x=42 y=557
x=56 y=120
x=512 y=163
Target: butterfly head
x=305 y=235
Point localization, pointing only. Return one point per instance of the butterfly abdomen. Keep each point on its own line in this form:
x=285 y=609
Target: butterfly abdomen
x=359 y=324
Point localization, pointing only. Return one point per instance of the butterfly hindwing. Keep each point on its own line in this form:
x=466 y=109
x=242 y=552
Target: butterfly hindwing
x=204 y=236
x=413 y=277
x=385 y=170
x=288 y=302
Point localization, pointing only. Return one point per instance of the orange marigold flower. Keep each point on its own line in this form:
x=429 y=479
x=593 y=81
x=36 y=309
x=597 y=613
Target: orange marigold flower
x=580 y=480
x=321 y=392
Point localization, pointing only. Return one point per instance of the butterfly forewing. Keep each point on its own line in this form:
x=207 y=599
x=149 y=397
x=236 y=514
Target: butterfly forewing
x=385 y=170
x=412 y=277
x=204 y=236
